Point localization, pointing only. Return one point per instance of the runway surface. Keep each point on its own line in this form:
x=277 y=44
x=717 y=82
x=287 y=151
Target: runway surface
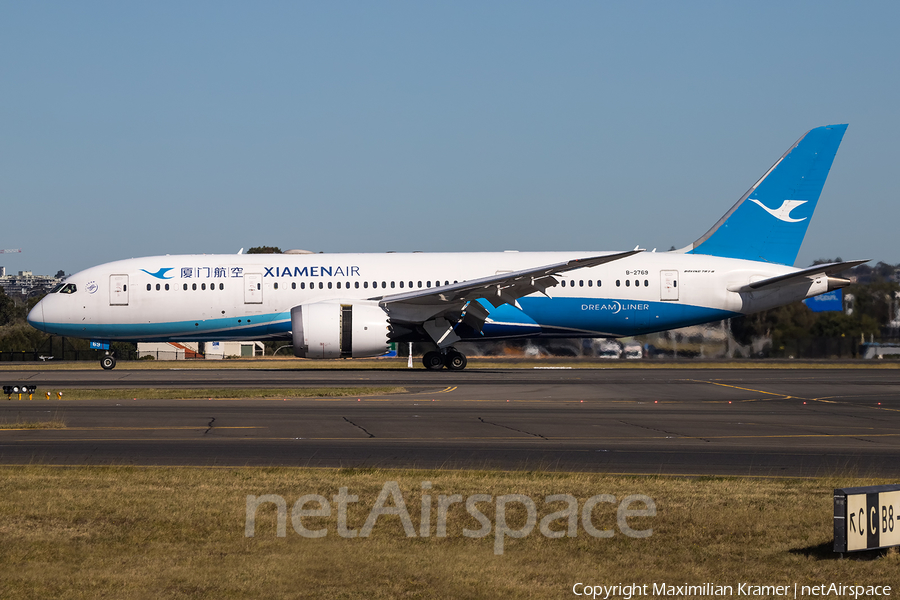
x=679 y=421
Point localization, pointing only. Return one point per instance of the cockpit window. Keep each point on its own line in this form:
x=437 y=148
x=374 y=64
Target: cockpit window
x=56 y=288
x=69 y=288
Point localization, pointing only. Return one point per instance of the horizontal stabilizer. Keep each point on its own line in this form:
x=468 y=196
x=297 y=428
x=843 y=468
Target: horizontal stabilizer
x=813 y=272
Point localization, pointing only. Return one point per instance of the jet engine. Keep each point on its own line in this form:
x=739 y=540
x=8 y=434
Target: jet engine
x=338 y=329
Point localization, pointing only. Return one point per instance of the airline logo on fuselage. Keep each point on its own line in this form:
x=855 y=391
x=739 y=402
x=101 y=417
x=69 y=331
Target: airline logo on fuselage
x=237 y=272
x=319 y=271
x=161 y=274
x=783 y=212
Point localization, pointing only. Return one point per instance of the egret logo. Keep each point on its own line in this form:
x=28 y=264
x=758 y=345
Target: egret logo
x=92 y=287
x=161 y=274
x=783 y=212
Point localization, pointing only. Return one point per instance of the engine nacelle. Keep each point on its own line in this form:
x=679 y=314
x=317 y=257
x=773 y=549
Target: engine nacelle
x=339 y=330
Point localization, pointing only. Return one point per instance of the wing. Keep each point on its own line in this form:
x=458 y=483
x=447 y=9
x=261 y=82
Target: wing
x=438 y=310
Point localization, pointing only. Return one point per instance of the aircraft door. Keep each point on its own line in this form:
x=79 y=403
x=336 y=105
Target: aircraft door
x=668 y=285
x=253 y=288
x=118 y=290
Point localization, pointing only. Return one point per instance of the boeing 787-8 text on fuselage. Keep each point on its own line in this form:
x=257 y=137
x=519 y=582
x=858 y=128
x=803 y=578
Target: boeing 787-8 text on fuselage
x=354 y=305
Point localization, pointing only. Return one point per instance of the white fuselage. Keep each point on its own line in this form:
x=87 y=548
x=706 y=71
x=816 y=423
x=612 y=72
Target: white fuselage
x=250 y=296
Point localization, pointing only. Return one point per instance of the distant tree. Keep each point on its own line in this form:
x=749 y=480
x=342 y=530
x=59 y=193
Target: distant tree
x=8 y=310
x=264 y=250
x=60 y=274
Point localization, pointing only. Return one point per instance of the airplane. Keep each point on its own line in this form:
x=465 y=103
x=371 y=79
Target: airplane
x=354 y=305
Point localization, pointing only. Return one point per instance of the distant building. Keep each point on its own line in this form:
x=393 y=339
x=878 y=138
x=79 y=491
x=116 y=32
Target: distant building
x=26 y=283
x=208 y=350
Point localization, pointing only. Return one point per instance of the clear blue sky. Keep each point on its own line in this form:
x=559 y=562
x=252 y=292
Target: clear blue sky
x=132 y=129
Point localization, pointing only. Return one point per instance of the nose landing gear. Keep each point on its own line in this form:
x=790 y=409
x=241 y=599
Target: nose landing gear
x=108 y=362
x=453 y=359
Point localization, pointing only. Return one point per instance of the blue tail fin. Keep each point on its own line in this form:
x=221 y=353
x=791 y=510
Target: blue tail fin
x=769 y=222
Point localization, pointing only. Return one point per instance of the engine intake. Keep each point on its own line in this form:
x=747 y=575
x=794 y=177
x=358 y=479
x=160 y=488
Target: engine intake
x=337 y=329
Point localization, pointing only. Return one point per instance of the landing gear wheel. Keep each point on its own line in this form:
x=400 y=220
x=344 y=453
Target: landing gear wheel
x=433 y=361
x=456 y=361
x=108 y=362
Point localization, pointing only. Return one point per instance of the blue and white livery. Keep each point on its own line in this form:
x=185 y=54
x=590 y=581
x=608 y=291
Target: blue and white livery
x=353 y=305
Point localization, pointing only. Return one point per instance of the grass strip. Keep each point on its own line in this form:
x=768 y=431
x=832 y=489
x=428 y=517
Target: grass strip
x=222 y=393
x=55 y=423
x=90 y=532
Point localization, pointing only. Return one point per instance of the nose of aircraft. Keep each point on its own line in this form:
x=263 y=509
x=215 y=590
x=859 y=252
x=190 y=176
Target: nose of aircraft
x=36 y=316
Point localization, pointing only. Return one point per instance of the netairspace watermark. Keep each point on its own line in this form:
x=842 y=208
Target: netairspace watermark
x=315 y=505
x=628 y=591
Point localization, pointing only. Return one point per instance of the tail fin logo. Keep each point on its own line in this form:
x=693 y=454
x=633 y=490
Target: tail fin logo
x=783 y=212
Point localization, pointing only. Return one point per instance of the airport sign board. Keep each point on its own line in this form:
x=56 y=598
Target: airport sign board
x=866 y=518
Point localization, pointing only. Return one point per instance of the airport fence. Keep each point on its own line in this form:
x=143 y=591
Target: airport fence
x=818 y=347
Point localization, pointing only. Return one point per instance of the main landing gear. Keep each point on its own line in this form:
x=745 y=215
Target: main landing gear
x=451 y=358
x=108 y=362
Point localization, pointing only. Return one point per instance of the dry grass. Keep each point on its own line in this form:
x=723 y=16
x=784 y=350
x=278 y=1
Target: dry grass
x=54 y=423
x=224 y=393
x=124 y=532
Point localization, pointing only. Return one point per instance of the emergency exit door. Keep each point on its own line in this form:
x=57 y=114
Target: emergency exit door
x=668 y=285
x=118 y=290
x=253 y=288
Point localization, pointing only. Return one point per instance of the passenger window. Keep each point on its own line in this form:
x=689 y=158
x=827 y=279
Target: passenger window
x=185 y=287
x=321 y=285
x=627 y=283
x=194 y=286
x=581 y=283
x=302 y=285
x=428 y=284
x=392 y=285
x=637 y=283
x=347 y=285
x=410 y=285
x=202 y=286
x=598 y=283
x=617 y=283
x=356 y=284
x=383 y=284
x=167 y=287
x=148 y=287
x=401 y=284
x=293 y=285
x=563 y=283
x=338 y=285
x=420 y=284
x=366 y=284
x=276 y=285
x=646 y=283
x=157 y=287
x=590 y=283
x=329 y=285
